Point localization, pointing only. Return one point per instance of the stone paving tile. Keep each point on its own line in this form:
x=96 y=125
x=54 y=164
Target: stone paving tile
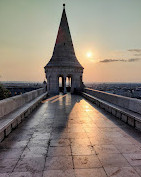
x=59 y=151
x=30 y=152
x=121 y=172
x=121 y=140
x=61 y=135
x=78 y=121
x=59 y=163
x=126 y=148
x=82 y=150
x=86 y=161
x=106 y=124
x=60 y=142
x=4 y=175
x=38 y=143
x=113 y=160
x=138 y=169
x=25 y=174
x=13 y=144
x=21 y=132
x=136 y=140
x=100 y=141
x=61 y=119
x=73 y=130
x=105 y=149
x=7 y=165
x=10 y=153
x=21 y=174
x=18 y=138
x=89 y=129
x=96 y=172
x=48 y=129
x=79 y=142
x=133 y=159
x=77 y=135
x=60 y=129
x=110 y=129
x=113 y=135
x=32 y=165
x=44 y=128
x=93 y=132
x=75 y=126
x=58 y=122
x=59 y=173
x=44 y=136
x=49 y=115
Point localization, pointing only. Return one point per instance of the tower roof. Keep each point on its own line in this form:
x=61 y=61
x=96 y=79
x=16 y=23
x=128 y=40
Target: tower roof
x=64 y=54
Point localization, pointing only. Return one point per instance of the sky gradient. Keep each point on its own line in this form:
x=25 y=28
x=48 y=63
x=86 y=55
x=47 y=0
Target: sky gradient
x=108 y=29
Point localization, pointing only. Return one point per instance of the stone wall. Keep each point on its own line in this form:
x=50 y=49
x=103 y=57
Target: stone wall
x=10 y=104
x=131 y=104
x=53 y=74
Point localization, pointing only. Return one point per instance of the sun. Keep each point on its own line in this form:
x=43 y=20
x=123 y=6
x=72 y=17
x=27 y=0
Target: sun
x=89 y=54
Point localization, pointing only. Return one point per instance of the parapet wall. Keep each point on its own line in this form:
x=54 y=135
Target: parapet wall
x=10 y=104
x=124 y=102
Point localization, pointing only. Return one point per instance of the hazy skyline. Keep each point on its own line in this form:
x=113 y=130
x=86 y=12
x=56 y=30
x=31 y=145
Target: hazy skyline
x=105 y=33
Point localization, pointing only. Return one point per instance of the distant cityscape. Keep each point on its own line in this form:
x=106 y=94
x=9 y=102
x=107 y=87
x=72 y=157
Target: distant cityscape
x=132 y=90
x=18 y=88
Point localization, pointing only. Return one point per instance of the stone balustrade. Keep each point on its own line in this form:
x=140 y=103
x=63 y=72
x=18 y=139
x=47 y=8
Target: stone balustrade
x=125 y=108
x=10 y=104
x=13 y=110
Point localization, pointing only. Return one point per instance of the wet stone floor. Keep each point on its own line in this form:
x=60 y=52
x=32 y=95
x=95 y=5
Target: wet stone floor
x=67 y=136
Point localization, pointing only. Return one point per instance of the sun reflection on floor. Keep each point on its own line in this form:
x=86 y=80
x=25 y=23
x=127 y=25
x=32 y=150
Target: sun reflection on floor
x=71 y=133
x=59 y=98
x=49 y=99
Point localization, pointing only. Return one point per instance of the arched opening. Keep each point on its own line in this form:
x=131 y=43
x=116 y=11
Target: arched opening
x=61 y=83
x=68 y=83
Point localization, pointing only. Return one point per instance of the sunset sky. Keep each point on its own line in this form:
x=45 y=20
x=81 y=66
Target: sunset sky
x=106 y=36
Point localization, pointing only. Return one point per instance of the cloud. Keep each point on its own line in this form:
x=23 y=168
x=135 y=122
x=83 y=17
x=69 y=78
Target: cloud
x=135 y=50
x=133 y=59
x=109 y=60
x=120 y=60
x=137 y=54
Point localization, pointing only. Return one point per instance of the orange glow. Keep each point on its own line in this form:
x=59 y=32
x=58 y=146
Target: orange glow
x=49 y=99
x=60 y=97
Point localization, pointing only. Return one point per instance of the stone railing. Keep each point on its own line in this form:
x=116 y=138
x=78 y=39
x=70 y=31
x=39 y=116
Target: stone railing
x=10 y=104
x=125 y=108
x=13 y=110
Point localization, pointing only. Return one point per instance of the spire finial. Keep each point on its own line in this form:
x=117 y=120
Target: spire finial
x=63 y=6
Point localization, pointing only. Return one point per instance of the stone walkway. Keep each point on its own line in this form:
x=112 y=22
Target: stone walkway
x=67 y=136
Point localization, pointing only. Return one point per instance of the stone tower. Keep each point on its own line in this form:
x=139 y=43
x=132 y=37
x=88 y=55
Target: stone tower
x=63 y=71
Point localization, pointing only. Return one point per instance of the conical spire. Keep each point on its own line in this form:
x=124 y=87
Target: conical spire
x=64 y=36
x=63 y=54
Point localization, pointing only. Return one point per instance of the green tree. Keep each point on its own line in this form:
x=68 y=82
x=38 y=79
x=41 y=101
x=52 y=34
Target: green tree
x=4 y=93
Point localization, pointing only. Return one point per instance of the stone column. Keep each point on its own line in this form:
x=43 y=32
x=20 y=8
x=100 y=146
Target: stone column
x=69 y=84
x=72 y=84
x=58 y=85
x=65 y=90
